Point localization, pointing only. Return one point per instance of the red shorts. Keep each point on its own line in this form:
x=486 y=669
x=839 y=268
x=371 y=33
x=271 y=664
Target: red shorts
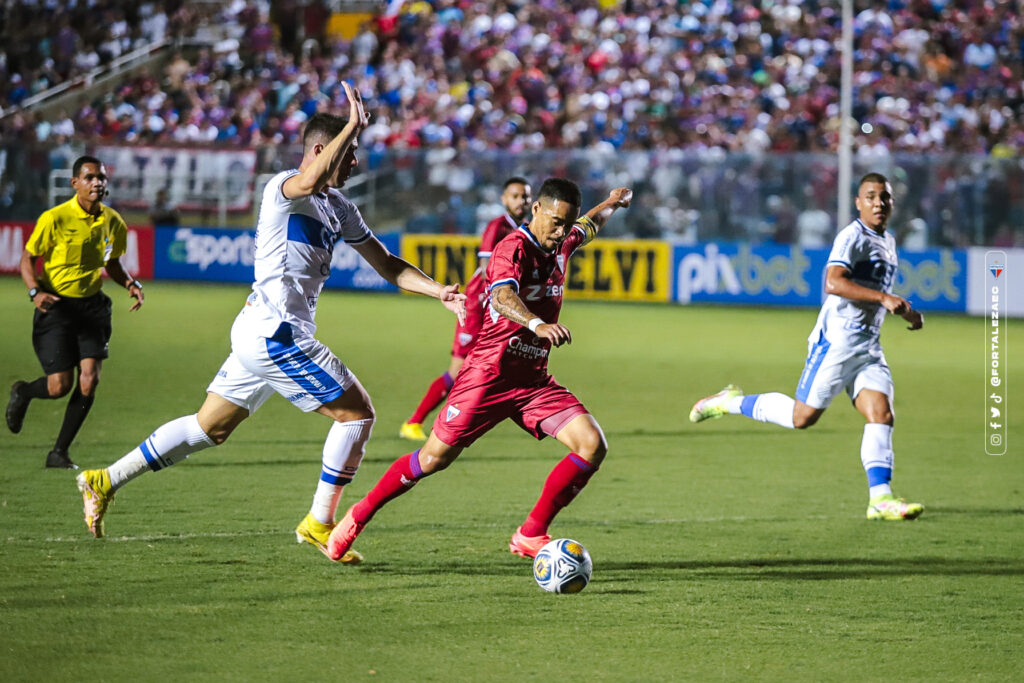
x=480 y=400
x=465 y=335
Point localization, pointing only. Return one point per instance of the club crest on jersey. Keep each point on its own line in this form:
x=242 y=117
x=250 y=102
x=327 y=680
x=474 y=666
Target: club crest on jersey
x=453 y=412
x=560 y=259
x=536 y=274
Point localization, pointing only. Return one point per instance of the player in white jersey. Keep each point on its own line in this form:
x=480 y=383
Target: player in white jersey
x=302 y=216
x=844 y=350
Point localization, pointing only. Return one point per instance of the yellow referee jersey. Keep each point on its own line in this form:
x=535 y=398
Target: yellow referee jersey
x=75 y=246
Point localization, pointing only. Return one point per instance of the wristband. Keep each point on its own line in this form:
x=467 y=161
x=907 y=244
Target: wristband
x=134 y=283
x=534 y=324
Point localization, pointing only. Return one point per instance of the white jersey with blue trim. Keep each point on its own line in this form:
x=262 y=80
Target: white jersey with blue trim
x=295 y=240
x=872 y=261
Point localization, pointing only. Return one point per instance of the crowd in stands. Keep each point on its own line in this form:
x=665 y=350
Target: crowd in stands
x=46 y=43
x=458 y=78
x=931 y=75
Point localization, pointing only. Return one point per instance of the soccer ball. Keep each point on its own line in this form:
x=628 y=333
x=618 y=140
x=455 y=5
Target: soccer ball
x=562 y=566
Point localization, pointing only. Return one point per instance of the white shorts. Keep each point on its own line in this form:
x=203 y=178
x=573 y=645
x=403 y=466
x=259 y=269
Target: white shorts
x=302 y=370
x=830 y=368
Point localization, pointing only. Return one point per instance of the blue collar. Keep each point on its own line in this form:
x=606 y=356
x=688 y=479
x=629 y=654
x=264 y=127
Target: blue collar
x=533 y=239
x=864 y=227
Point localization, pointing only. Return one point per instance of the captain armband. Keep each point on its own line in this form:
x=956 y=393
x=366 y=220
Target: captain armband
x=589 y=229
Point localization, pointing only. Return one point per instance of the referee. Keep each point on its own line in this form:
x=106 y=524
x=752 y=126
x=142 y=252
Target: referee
x=71 y=327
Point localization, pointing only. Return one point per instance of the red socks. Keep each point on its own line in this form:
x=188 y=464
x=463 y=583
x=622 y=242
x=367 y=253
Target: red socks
x=566 y=480
x=399 y=478
x=435 y=394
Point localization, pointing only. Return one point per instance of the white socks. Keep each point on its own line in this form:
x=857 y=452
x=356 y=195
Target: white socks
x=775 y=408
x=343 y=452
x=169 y=444
x=877 y=456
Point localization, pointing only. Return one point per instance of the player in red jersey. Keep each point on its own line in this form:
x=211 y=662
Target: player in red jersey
x=516 y=198
x=506 y=375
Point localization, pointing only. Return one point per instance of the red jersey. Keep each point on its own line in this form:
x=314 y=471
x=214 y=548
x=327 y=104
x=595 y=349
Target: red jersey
x=496 y=231
x=506 y=348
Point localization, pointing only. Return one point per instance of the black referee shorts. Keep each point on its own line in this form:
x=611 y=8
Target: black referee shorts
x=71 y=330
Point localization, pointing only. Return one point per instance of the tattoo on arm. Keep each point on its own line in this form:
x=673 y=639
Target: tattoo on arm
x=506 y=302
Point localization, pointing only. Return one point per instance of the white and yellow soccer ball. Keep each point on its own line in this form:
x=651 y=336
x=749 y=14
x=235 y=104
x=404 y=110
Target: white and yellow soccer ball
x=563 y=566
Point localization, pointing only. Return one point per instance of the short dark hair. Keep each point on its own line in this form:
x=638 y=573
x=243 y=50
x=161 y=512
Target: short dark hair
x=81 y=161
x=322 y=128
x=873 y=178
x=515 y=180
x=561 y=189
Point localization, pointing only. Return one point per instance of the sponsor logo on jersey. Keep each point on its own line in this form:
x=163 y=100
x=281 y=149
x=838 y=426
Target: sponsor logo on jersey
x=520 y=348
x=537 y=292
x=451 y=413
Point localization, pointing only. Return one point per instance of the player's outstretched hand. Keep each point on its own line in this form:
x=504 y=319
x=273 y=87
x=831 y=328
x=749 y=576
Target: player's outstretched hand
x=915 y=318
x=896 y=305
x=555 y=333
x=140 y=298
x=622 y=196
x=356 y=111
x=454 y=301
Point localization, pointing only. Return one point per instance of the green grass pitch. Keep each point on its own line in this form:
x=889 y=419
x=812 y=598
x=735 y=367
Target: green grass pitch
x=722 y=551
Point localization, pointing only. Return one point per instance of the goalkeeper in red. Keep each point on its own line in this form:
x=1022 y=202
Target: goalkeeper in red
x=505 y=375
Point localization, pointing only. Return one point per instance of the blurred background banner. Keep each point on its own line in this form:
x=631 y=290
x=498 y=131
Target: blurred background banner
x=221 y=255
x=137 y=259
x=933 y=280
x=744 y=274
x=446 y=258
x=740 y=273
x=612 y=270
x=627 y=270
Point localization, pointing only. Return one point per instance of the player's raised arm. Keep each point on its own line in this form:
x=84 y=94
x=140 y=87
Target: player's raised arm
x=404 y=275
x=327 y=158
x=592 y=221
x=506 y=302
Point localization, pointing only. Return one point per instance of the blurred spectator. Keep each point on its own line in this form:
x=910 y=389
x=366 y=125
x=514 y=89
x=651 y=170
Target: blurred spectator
x=163 y=213
x=815 y=228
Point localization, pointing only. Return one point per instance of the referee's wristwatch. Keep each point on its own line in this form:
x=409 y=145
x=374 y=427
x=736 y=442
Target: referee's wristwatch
x=32 y=293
